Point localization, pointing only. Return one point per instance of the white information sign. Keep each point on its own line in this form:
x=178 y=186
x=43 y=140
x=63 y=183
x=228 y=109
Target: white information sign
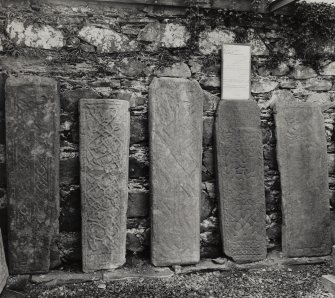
x=236 y=75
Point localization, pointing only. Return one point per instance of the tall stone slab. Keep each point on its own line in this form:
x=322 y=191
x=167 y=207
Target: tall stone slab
x=175 y=123
x=302 y=160
x=3 y=266
x=104 y=156
x=240 y=176
x=32 y=135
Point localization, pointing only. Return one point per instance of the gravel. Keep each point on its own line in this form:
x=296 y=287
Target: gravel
x=294 y=281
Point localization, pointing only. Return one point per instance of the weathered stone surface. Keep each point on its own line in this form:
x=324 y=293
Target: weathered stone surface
x=329 y=70
x=280 y=96
x=32 y=134
x=3 y=266
x=328 y=282
x=35 y=36
x=324 y=100
x=211 y=41
x=107 y=40
x=258 y=48
x=241 y=180
x=175 y=107
x=302 y=160
x=317 y=84
x=177 y=70
x=104 y=147
x=165 y=35
x=211 y=82
x=263 y=85
x=301 y=72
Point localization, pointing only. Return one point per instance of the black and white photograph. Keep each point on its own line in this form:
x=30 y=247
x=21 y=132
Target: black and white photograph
x=167 y=148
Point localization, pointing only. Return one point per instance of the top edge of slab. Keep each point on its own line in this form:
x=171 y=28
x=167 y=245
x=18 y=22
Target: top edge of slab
x=295 y=105
x=105 y=100
x=29 y=79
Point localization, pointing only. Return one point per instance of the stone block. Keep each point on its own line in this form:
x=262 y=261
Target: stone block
x=329 y=70
x=210 y=42
x=138 y=203
x=301 y=72
x=328 y=282
x=107 y=40
x=104 y=147
x=175 y=122
x=32 y=135
x=177 y=70
x=302 y=160
x=3 y=266
x=34 y=35
x=241 y=180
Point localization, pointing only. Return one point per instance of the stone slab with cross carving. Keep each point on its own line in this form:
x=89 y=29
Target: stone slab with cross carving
x=32 y=150
x=240 y=176
x=175 y=123
x=104 y=155
x=302 y=160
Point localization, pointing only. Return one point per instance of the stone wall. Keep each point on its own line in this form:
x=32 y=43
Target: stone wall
x=105 y=51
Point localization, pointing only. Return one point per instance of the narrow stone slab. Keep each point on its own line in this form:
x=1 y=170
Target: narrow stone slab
x=302 y=160
x=61 y=278
x=32 y=134
x=145 y=272
x=241 y=180
x=104 y=156
x=328 y=282
x=175 y=123
x=3 y=266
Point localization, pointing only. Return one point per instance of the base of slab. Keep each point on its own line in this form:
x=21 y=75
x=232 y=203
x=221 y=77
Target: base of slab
x=146 y=270
x=328 y=282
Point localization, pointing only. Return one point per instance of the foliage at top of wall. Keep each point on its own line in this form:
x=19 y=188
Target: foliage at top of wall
x=309 y=28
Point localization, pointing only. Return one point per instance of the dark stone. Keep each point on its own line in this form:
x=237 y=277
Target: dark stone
x=175 y=107
x=3 y=266
x=208 y=128
x=104 y=155
x=241 y=180
x=69 y=171
x=70 y=98
x=302 y=160
x=138 y=168
x=138 y=204
x=138 y=129
x=70 y=210
x=32 y=122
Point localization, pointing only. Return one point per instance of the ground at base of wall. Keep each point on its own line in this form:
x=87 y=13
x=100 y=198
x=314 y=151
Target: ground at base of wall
x=283 y=281
x=274 y=277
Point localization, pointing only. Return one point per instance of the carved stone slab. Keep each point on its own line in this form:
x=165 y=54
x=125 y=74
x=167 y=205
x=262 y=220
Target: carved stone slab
x=3 y=266
x=32 y=134
x=302 y=160
x=104 y=155
x=175 y=123
x=240 y=173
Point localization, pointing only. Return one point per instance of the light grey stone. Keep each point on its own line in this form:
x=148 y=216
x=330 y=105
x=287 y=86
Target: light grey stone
x=34 y=35
x=3 y=266
x=104 y=157
x=107 y=40
x=210 y=42
x=317 y=84
x=175 y=122
x=177 y=70
x=301 y=72
x=302 y=160
x=240 y=176
x=263 y=85
x=329 y=70
x=32 y=138
x=281 y=96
